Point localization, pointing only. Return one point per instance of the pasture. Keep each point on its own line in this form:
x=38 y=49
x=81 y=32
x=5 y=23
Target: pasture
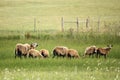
x=58 y=68
x=17 y=26
x=21 y=13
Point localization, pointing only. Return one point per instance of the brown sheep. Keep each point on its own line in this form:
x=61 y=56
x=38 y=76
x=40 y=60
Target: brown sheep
x=44 y=53
x=34 y=53
x=90 y=51
x=22 y=49
x=72 y=53
x=60 y=51
x=104 y=51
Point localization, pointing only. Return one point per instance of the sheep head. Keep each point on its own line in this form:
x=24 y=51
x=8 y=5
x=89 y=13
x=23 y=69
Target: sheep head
x=33 y=45
x=110 y=46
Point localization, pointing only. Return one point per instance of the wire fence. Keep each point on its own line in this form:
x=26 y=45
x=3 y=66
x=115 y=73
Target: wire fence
x=96 y=24
x=78 y=24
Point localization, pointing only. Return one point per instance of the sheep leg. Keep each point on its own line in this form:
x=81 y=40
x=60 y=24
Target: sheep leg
x=105 y=56
x=54 y=54
x=18 y=53
x=63 y=56
x=69 y=56
x=73 y=57
x=25 y=55
x=93 y=55
x=98 y=55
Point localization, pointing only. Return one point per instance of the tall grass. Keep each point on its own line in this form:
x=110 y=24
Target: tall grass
x=84 y=37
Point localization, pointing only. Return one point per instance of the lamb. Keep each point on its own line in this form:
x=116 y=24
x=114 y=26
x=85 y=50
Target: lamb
x=90 y=51
x=60 y=51
x=22 y=49
x=72 y=53
x=104 y=51
x=44 y=53
x=34 y=53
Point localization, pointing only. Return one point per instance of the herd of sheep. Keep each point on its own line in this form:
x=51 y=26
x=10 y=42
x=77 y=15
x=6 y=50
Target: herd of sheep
x=28 y=50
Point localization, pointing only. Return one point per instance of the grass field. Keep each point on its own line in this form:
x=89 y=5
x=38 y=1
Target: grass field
x=21 y=13
x=58 y=68
x=17 y=26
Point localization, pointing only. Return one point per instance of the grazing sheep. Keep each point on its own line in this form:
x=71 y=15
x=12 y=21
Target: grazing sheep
x=44 y=53
x=22 y=49
x=60 y=51
x=90 y=51
x=72 y=53
x=34 y=53
x=104 y=51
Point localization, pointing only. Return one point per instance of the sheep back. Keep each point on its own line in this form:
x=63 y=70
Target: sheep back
x=44 y=53
x=60 y=51
x=90 y=50
x=34 y=53
x=73 y=53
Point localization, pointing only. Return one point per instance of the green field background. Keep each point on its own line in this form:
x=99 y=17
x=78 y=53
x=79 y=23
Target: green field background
x=19 y=15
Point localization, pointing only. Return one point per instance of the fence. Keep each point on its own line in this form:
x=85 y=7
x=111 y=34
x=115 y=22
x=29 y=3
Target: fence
x=96 y=23
x=78 y=22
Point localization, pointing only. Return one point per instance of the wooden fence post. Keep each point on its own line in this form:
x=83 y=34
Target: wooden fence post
x=77 y=24
x=87 y=22
x=34 y=24
x=98 y=23
x=62 y=24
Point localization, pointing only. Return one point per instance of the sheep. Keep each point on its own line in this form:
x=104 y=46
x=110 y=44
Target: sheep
x=91 y=50
x=34 y=53
x=22 y=49
x=44 y=53
x=60 y=51
x=104 y=51
x=72 y=53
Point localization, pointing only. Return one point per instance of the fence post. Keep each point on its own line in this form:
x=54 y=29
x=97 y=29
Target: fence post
x=98 y=23
x=62 y=24
x=34 y=24
x=77 y=24
x=87 y=22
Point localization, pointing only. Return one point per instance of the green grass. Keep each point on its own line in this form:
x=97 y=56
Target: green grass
x=94 y=69
x=53 y=75
x=59 y=68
